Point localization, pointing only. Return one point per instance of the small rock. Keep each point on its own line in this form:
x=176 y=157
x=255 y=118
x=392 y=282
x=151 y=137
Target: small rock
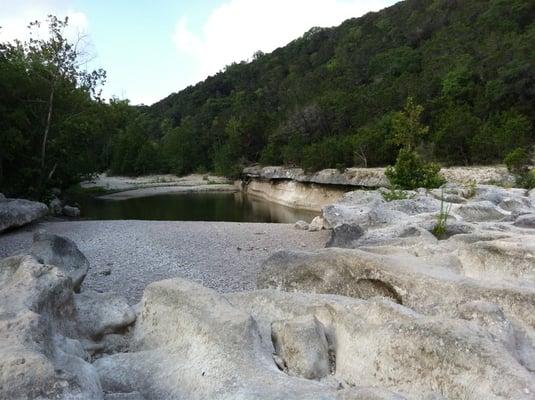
x=301 y=347
x=73 y=212
x=345 y=235
x=301 y=225
x=317 y=224
x=480 y=211
x=55 y=206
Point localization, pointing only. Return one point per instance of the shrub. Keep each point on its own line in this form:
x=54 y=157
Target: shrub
x=517 y=161
x=411 y=172
x=526 y=180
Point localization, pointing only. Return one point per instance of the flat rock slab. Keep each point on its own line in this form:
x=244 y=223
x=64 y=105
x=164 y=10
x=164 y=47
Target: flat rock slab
x=224 y=256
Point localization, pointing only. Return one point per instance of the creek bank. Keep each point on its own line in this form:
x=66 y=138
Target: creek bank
x=122 y=188
x=294 y=187
x=396 y=314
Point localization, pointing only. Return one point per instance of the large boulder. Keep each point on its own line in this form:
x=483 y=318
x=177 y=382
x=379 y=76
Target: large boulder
x=44 y=335
x=36 y=359
x=190 y=342
x=19 y=212
x=497 y=260
x=60 y=252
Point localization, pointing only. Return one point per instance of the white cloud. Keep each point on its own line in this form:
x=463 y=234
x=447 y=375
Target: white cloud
x=238 y=28
x=16 y=15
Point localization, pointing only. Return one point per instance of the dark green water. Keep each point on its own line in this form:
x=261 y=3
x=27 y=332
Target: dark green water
x=233 y=207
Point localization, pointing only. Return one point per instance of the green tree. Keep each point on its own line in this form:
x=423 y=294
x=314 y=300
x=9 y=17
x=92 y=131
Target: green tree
x=407 y=128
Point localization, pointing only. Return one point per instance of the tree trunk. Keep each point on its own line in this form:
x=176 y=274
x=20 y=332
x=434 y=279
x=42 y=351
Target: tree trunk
x=47 y=126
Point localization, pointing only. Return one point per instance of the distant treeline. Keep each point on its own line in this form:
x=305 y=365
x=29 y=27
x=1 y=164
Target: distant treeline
x=326 y=100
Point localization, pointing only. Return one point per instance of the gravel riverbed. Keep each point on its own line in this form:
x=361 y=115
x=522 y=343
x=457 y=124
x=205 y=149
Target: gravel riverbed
x=126 y=256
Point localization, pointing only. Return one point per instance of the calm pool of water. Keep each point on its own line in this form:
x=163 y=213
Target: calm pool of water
x=233 y=207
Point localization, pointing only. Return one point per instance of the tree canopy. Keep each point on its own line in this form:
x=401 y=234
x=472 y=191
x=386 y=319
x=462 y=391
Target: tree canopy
x=333 y=98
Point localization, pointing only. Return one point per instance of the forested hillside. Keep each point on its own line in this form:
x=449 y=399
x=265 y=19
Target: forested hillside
x=326 y=99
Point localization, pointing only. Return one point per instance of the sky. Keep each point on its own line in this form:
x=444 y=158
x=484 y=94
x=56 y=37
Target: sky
x=152 y=48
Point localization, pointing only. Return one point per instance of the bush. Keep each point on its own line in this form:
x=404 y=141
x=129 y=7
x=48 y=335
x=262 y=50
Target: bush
x=411 y=172
x=526 y=180
x=518 y=161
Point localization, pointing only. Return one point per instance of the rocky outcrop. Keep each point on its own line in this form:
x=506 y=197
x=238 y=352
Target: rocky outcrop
x=190 y=342
x=296 y=188
x=44 y=353
x=19 y=212
x=359 y=177
x=304 y=196
x=373 y=178
x=480 y=272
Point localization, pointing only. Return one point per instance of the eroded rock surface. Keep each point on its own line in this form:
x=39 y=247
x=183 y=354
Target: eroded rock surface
x=478 y=273
x=402 y=312
x=190 y=342
x=42 y=352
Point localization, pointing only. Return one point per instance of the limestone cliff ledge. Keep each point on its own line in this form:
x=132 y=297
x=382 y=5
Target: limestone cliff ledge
x=293 y=187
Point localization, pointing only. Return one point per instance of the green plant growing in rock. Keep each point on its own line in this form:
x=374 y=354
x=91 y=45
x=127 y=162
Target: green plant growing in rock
x=441 y=227
x=410 y=170
x=518 y=162
x=472 y=189
x=395 y=194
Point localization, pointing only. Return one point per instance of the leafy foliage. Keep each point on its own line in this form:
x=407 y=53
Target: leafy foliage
x=411 y=172
x=329 y=98
x=50 y=132
x=395 y=194
x=518 y=161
